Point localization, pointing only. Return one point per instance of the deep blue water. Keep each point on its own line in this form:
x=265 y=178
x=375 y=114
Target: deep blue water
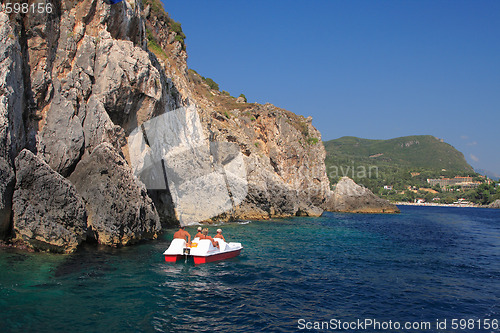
x=425 y=264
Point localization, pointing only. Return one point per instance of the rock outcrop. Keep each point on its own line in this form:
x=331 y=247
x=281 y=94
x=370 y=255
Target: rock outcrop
x=495 y=204
x=48 y=212
x=119 y=209
x=351 y=198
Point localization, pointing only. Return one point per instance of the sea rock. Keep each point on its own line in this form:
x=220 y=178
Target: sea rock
x=495 y=204
x=48 y=212
x=119 y=209
x=7 y=181
x=351 y=198
x=309 y=210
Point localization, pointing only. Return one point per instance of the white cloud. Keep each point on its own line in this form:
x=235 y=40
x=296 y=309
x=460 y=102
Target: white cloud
x=473 y=143
x=474 y=158
x=464 y=137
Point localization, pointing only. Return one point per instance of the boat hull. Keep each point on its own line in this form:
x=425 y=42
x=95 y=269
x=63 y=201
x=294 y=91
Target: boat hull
x=216 y=257
x=203 y=259
x=202 y=251
x=173 y=257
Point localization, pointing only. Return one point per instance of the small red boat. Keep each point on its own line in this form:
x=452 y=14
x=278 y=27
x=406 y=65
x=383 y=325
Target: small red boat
x=201 y=250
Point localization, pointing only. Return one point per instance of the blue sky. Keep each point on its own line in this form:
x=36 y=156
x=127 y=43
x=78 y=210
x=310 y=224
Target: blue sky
x=372 y=69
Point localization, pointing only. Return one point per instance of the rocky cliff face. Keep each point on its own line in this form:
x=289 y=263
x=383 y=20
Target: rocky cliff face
x=284 y=158
x=281 y=152
x=72 y=81
x=105 y=133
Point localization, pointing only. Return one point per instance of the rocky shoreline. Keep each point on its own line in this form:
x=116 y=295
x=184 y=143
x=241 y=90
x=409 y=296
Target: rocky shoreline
x=439 y=205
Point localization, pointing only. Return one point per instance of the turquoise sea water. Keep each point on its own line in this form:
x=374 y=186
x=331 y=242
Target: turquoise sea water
x=422 y=265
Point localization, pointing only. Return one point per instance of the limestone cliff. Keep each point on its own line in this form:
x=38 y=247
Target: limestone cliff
x=282 y=152
x=72 y=80
x=101 y=120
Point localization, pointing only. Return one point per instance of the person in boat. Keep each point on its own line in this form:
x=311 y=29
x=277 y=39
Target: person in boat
x=206 y=236
x=199 y=234
x=182 y=234
x=219 y=235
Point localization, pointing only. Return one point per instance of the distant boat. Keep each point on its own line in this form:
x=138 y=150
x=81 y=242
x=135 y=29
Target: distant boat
x=201 y=250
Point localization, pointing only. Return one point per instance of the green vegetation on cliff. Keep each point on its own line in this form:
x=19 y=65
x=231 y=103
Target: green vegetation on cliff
x=211 y=83
x=402 y=165
x=154 y=47
x=156 y=7
x=409 y=152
